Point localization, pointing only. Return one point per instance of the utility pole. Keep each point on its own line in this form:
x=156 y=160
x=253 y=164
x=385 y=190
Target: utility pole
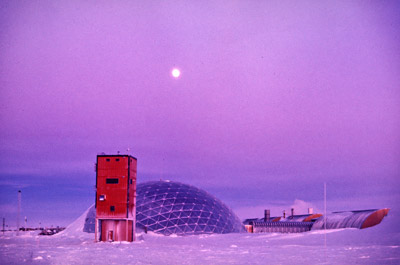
x=325 y=211
x=19 y=210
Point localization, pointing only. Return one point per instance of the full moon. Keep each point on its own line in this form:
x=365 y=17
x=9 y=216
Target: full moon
x=176 y=73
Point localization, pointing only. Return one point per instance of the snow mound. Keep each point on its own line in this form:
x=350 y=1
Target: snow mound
x=75 y=229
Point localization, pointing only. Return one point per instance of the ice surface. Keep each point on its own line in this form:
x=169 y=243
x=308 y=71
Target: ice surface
x=375 y=245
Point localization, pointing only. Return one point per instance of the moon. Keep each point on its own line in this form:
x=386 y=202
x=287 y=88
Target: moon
x=176 y=72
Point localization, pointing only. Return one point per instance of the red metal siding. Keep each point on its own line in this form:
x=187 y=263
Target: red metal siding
x=116 y=197
x=115 y=194
x=132 y=187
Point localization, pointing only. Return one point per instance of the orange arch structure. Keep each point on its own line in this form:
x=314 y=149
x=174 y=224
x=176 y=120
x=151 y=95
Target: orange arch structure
x=312 y=216
x=375 y=218
x=351 y=219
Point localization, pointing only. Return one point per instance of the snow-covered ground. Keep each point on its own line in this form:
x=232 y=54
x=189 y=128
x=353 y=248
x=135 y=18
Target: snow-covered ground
x=376 y=245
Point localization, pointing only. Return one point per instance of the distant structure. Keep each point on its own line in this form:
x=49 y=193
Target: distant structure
x=302 y=223
x=360 y=219
x=115 y=198
x=18 y=211
x=281 y=224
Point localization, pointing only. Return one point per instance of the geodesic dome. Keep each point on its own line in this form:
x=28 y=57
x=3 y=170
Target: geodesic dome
x=168 y=207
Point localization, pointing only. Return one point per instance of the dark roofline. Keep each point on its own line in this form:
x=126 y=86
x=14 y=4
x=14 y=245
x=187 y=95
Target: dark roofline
x=117 y=156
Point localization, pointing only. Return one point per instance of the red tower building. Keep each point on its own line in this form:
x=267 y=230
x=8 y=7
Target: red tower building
x=115 y=197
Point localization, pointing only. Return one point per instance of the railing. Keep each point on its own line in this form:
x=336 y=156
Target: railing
x=281 y=227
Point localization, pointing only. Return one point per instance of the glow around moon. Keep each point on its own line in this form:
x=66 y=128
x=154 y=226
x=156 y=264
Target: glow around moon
x=175 y=73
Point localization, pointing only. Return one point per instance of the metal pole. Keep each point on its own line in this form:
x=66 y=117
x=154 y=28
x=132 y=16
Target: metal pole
x=19 y=210
x=4 y=224
x=325 y=211
x=126 y=229
x=95 y=229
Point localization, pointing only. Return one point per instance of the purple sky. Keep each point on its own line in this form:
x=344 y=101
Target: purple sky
x=275 y=98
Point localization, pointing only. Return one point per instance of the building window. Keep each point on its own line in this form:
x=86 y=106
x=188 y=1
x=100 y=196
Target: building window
x=117 y=159
x=130 y=181
x=111 y=181
x=107 y=159
x=112 y=208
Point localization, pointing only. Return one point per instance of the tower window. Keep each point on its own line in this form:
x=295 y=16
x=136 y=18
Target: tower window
x=117 y=159
x=107 y=159
x=111 y=181
x=112 y=208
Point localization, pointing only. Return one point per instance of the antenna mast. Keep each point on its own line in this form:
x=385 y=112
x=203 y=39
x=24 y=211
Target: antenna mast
x=19 y=210
x=325 y=211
